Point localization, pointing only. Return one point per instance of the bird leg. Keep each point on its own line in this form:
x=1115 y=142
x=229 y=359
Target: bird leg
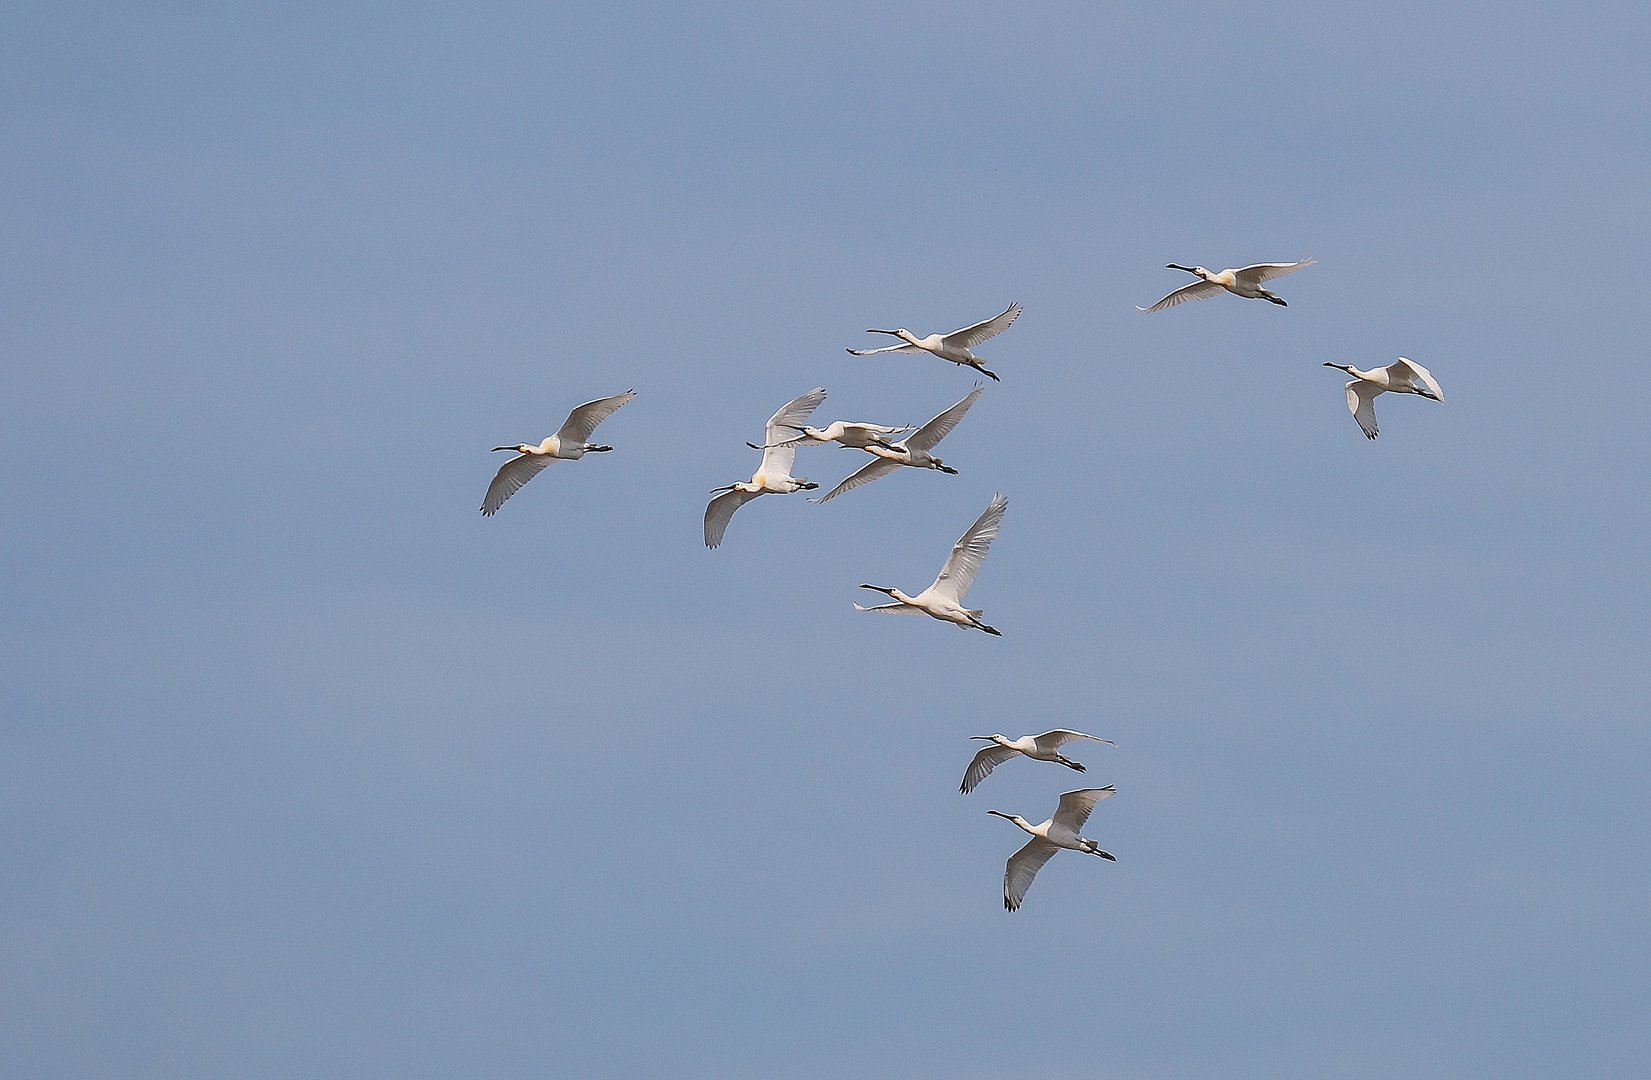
x=1265 y=295
x=990 y=630
x=597 y=449
x=1069 y=763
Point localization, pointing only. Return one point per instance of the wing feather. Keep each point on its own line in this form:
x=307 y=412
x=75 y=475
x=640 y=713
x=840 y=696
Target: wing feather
x=1059 y=737
x=782 y=426
x=989 y=758
x=1422 y=373
x=886 y=348
x=721 y=510
x=1260 y=272
x=1361 y=402
x=868 y=472
x=926 y=437
x=893 y=609
x=1076 y=805
x=970 y=336
x=582 y=421
x=1196 y=291
x=510 y=478
x=1023 y=867
x=969 y=552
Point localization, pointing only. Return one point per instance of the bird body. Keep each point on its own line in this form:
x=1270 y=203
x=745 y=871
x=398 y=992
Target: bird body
x=1403 y=376
x=1045 y=747
x=1060 y=831
x=944 y=599
x=956 y=346
x=912 y=450
x=569 y=444
x=773 y=476
x=1245 y=281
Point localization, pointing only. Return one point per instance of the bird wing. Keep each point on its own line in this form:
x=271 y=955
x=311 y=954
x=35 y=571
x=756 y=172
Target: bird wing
x=582 y=421
x=880 y=429
x=1196 y=291
x=989 y=758
x=893 y=609
x=866 y=474
x=1361 y=402
x=969 y=552
x=925 y=437
x=1422 y=373
x=1023 y=867
x=886 y=348
x=720 y=510
x=1076 y=805
x=1053 y=740
x=1259 y=272
x=783 y=425
x=970 y=336
x=510 y=478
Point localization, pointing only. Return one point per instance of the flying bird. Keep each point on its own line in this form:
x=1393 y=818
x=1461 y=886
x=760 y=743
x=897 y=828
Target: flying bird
x=944 y=599
x=1245 y=281
x=569 y=444
x=954 y=346
x=1399 y=377
x=1060 y=831
x=1045 y=747
x=912 y=450
x=849 y=433
x=773 y=476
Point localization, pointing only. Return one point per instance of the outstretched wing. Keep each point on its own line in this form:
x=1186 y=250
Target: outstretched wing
x=1196 y=291
x=1059 y=737
x=989 y=758
x=1023 y=867
x=969 y=552
x=867 y=473
x=1421 y=373
x=720 y=510
x=1257 y=273
x=783 y=426
x=510 y=478
x=582 y=421
x=887 y=348
x=1361 y=402
x=1076 y=805
x=970 y=336
x=925 y=437
x=893 y=609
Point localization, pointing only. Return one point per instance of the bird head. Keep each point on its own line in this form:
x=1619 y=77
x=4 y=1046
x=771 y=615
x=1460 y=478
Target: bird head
x=879 y=588
x=987 y=738
x=1199 y=270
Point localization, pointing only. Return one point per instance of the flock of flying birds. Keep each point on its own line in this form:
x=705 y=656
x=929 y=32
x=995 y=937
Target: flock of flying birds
x=788 y=429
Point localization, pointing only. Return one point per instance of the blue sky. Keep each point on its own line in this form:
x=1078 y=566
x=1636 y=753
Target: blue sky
x=308 y=770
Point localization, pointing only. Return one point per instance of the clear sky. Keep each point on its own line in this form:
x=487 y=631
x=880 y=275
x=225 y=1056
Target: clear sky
x=307 y=770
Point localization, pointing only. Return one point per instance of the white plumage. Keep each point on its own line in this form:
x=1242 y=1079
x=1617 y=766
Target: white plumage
x=1045 y=747
x=1400 y=377
x=568 y=444
x=773 y=476
x=1245 y=281
x=944 y=599
x=1060 y=831
x=955 y=346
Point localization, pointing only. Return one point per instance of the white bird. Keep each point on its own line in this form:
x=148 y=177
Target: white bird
x=954 y=346
x=848 y=432
x=1045 y=747
x=944 y=599
x=1399 y=377
x=1245 y=281
x=568 y=444
x=1060 y=831
x=773 y=476
x=912 y=450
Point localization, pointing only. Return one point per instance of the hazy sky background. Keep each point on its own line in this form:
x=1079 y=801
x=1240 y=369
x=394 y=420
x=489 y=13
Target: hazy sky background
x=307 y=770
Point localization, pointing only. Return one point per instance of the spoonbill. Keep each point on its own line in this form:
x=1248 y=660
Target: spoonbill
x=954 y=346
x=568 y=444
x=1045 y=747
x=848 y=432
x=1060 y=831
x=913 y=450
x=944 y=599
x=1245 y=281
x=1399 y=377
x=773 y=476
